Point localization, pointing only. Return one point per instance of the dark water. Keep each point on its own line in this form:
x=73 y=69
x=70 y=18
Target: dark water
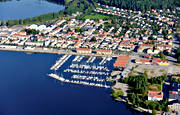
x=21 y=9
x=25 y=89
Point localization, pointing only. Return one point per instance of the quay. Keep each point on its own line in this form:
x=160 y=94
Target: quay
x=55 y=76
x=53 y=51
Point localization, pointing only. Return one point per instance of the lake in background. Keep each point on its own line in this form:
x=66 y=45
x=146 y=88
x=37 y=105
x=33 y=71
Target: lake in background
x=25 y=89
x=22 y=9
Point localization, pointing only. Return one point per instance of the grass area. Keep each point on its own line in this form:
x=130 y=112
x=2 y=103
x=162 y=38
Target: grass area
x=155 y=87
x=93 y=16
x=67 y=1
x=161 y=70
x=177 y=64
x=116 y=93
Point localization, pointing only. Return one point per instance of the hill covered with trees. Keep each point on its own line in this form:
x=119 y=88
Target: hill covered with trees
x=142 y=5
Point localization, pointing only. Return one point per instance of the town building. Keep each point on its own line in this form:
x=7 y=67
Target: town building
x=83 y=50
x=104 y=52
x=155 y=95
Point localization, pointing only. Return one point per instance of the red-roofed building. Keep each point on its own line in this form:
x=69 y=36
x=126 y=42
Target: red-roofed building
x=77 y=44
x=147 y=45
x=147 y=56
x=121 y=61
x=83 y=50
x=143 y=61
x=160 y=61
x=155 y=95
x=173 y=92
x=176 y=77
x=104 y=52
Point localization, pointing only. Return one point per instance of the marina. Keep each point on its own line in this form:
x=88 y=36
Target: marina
x=83 y=70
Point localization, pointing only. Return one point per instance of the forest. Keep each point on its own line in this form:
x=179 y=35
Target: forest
x=142 y=5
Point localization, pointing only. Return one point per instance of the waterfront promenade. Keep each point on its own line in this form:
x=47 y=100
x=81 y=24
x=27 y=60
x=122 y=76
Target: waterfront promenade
x=53 y=51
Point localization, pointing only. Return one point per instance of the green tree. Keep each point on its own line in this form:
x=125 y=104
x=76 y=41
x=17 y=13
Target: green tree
x=77 y=29
x=162 y=55
x=178 y=59
x=167 y=108
x=16 y=22
x=154 y=112
x=164 y=32
x=93 y=39
x=4 y=23
x=159 y=107
x=178 y=55
x=10 y=22
x=21 y=21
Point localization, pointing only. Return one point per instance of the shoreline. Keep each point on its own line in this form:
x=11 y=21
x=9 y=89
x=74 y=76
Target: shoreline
x=126 y=101
x=53 y=51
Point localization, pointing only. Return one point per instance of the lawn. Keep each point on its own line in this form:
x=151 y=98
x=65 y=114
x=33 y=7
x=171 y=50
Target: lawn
x=94 y=16
x=154 y=87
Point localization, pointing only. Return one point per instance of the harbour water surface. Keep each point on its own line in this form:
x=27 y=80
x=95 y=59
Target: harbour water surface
x=27 y=90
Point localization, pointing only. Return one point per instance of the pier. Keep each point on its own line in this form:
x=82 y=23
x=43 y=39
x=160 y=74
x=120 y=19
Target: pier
x=60 y=62
x=90 y=78
x=88 y=67
x=86 y=72
x=55 y=76
x=80 y=58
x=76 y=58
x=91 y=59
x=104 y=60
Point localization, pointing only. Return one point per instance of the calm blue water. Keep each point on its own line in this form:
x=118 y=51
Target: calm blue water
x=25 y=89
x=26 y=8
